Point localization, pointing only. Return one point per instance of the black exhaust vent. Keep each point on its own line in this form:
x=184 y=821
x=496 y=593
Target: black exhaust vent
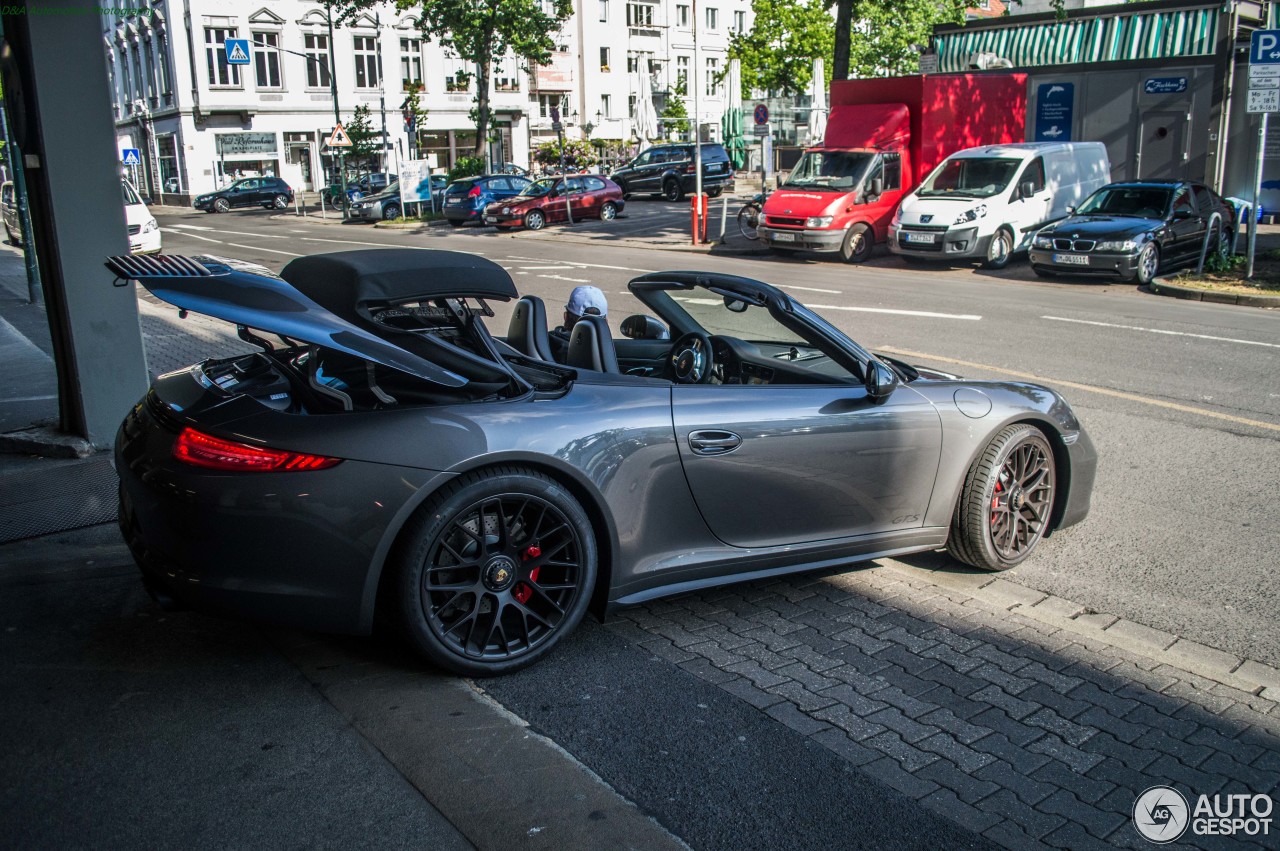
x=131 y=266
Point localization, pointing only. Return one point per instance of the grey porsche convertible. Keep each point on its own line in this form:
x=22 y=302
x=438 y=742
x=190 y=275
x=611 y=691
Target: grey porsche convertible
x=383 y=452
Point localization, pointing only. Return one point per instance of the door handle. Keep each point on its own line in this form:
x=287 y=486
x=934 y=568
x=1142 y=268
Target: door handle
x=713 y=442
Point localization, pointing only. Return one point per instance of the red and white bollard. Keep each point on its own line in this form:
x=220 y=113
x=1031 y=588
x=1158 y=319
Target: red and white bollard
x=698 y=218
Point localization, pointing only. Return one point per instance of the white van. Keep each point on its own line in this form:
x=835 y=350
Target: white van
x=988 y=202
x=144 y=231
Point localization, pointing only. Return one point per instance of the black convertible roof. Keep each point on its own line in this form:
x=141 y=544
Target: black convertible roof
x=344 y=280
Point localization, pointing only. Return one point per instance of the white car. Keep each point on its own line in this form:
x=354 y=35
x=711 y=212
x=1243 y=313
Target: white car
x=144 y=231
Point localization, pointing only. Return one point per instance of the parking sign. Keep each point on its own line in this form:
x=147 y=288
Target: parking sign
x=1264 y=47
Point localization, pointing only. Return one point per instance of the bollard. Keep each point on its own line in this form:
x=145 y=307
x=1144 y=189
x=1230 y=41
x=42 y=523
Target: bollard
x=724 y=214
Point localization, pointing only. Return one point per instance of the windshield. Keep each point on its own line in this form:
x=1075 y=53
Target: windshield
x=838 y=171
x=539 y=187
x=130 y=194
x=1147 y=202
x=970 y=177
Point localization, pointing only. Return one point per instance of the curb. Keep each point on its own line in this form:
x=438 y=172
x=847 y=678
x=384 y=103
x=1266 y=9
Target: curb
x=410 y=225
x=1162 y=286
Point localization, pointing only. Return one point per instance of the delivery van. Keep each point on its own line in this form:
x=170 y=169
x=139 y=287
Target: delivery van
x=988 y=202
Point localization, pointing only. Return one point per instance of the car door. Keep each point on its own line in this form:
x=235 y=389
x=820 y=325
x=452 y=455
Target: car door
x=246 y=194
x=1029 y=211
x=1187 y=225
x=554 y=202
x=645 y=179
x=586 y=197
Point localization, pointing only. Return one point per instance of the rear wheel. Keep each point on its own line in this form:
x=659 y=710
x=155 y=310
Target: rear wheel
x=535 y=220
x=856 y=246
x=999 y=250
x=496 y=570
x=671 y=190
x=714 y=192
x=280 y=202
x=1006 y=501
x=608 y=212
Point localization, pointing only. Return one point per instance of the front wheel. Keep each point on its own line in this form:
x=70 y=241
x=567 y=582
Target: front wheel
x=608 y=212
x=389 y=212
x=535 y=220
x=749 y=221
x=221 y=205
x=496 y=570
x=1148 y=264
x=856 y=246
x=672 y=191
x=1006 y=501
x=999 y=250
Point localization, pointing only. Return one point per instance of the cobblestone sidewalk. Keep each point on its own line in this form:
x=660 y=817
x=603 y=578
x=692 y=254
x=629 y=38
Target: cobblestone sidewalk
x=1032 y=735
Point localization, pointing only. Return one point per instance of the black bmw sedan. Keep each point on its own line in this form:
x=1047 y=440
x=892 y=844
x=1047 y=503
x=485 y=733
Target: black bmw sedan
x=1135 y=231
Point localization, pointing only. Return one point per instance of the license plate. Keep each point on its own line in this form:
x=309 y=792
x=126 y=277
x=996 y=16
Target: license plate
x=491 y=220
x=1072 y=259
x=452 y=202
x=784 y=237
x=927 y=238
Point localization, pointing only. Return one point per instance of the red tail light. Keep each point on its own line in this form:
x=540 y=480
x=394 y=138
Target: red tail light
x=474 y=193
x=201 y=450
x=691 y=169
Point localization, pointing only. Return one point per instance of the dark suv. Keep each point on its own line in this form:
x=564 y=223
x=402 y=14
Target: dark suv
x=465 y=199
x=249 y=192
x=669 y=170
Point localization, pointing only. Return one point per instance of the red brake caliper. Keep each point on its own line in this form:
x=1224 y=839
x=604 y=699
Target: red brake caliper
x=523 y=592
x=995 y=501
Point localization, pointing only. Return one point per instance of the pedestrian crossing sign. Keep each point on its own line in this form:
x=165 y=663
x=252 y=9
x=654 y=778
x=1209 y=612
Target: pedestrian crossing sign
x=339 y=139
x=237 y=51
x=131 y=156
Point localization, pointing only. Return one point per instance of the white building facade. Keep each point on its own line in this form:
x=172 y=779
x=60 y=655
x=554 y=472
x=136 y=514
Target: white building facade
x=197 y=120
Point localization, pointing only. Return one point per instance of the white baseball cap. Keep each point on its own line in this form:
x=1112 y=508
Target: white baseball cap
x=587 y=300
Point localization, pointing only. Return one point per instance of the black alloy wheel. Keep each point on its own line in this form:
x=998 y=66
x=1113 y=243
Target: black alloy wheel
x=1006 y=502
x=498 y=568
x=671 y=190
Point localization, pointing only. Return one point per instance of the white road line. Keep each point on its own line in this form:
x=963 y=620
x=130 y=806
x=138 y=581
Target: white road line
x=357 y=242
x=1161 y=331
x=966 y=316
x=260 y=248
x=806 y=289
x=205 y=238
x=563 y=278
x=191 y=227
x=581 y=265
x=561 y=268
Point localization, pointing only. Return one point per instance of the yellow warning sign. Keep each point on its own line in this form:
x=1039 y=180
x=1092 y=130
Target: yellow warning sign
x=339 y=139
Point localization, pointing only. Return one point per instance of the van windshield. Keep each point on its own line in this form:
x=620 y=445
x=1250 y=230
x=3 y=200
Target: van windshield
x=837 y=171
x=970 y=177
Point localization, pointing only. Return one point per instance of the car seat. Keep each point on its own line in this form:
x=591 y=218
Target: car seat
x=591 y=346
x=527 y=332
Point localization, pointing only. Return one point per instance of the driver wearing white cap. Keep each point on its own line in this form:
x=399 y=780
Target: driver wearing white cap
x=585 y=300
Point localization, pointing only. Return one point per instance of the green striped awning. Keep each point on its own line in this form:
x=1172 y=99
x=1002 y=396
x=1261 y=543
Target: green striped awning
x=1154 y=35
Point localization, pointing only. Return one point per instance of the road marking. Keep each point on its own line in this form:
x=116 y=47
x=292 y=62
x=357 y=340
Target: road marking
x=191 y=227
x=544 y=268
x=806 y=289
x=260 y=248
x=1160 y=331
x=1088 y=388
x=966 y=316
x=563 y=278
x=582 y=265
x=233 y=232
x=205 y=238
x=374 y=244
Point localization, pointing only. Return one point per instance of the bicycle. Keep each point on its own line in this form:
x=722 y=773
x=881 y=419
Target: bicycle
x=750 y=215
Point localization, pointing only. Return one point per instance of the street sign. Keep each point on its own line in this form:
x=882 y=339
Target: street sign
x=339 y=138
x=762 y=114
x=237 y=51
x=1264 y=47
x=1265 y=83
x=131 y=156
x=1264 y=72
x=761 y=129
x=1263 y=100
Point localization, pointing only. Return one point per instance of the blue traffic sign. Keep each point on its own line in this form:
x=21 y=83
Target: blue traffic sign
x=1264 y=47
x=762 y=114
x=131 y=156
x=237 y=51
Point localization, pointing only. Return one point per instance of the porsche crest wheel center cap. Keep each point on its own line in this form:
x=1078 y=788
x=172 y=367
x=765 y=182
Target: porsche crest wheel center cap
x=499 y=573
x=1018 y=499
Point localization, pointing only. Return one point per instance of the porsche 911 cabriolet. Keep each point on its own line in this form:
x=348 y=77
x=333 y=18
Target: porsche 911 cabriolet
x=384 y=452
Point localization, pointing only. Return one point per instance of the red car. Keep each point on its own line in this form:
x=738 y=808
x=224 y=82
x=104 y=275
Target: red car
x=589 y=196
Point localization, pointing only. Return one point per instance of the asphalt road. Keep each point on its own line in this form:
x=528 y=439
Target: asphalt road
x=1181 y=398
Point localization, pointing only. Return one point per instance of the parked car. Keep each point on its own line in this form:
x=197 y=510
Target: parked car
x=1135 y=231
x=588 y=196
x=142 y=227
x=465 y=200
x=669 y=170
x=265 y=192
x=512 y=168
x=379 y=206
x=481 y=497
x=358 y=186
x=987 y=202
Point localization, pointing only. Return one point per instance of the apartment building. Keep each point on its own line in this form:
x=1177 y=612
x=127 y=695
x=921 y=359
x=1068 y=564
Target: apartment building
x=198 y=120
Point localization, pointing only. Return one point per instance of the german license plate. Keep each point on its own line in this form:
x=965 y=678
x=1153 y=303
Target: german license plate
x=491 y=220
x=452 y=202
x=1071 y=259
x=784 y=237
x=926 y=238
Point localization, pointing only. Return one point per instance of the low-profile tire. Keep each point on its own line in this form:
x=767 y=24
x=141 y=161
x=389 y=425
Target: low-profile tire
x=999 y=250
x=1006 y=502
x=221 y=205
x=1148 y=264
x=672 y=190
x=495 y=570
x=280 y=202
x=608 y=211
x=857 y=243
x=535 y=220
x=390 y=211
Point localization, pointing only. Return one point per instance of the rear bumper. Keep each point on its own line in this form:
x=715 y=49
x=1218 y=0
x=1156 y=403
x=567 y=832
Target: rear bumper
x=462 y=214
x=805 y=239
x=1119 y=265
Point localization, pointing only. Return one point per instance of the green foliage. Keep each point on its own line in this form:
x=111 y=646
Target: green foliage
x=466 y=167
x=675 y=117
x=777 y=53
x=578 y=154
x=411 y=109
x=365 y=139
x=880 y=38
x=1220 y=263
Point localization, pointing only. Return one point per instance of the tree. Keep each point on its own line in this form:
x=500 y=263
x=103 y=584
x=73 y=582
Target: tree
x=578 y=154
x=882 y=38
x=777 y=53
x=365 y=139
x=480 y=31
x=675 y=118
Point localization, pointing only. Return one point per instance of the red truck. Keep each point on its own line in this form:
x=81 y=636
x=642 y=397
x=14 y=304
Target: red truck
x=883 y=137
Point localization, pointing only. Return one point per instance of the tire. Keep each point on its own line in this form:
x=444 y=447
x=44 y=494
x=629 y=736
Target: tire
x=535 y=220
x=221 y=205
x=1016 y=469
x=14 y=239
x=749 y=221
x=1148 y=264
x=672 y=190
x=471 y=589
x=715 y=192
x=390 y=211
x=1000 y=249
x=608 y=212
x=280 y=202
x=857 y=244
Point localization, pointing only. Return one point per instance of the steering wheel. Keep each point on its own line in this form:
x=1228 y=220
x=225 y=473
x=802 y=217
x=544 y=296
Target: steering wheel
x=692 y=360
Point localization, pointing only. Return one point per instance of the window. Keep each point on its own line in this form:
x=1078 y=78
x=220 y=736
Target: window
x=266 y=60
x=506 y=74
x=639 y=15
x=604 y=11
x=1034 y=173
x=633 y=64
x=713 y=17
x=368 y=62
x=739 y=22
x=604 y=59
x=410 y=62
x=682 y=72
x=892 y=171
x=631 y=105
x=713 y=84
x=1182 y=202
x=317 y=49
x=546 y=102
x=456 y=79
x=215 y=51
x=593 y=184
x=162 y=69
x=682 y=16
x=606 y=106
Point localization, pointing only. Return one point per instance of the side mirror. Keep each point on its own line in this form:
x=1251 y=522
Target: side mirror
x=1183 y=214
x=640 y=327
x=735 y=305
x=881 y=381
x=1028 y=189
x=877 y=187
x=1071 y=208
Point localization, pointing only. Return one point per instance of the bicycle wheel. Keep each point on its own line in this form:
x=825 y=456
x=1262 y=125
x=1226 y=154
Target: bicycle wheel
x=749 y=221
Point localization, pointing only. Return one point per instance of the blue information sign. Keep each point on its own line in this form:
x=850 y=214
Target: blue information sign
x=1264 y=47
x=1165 y=85
x=1055 y=104
x=237 y=51
x=131 y=156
